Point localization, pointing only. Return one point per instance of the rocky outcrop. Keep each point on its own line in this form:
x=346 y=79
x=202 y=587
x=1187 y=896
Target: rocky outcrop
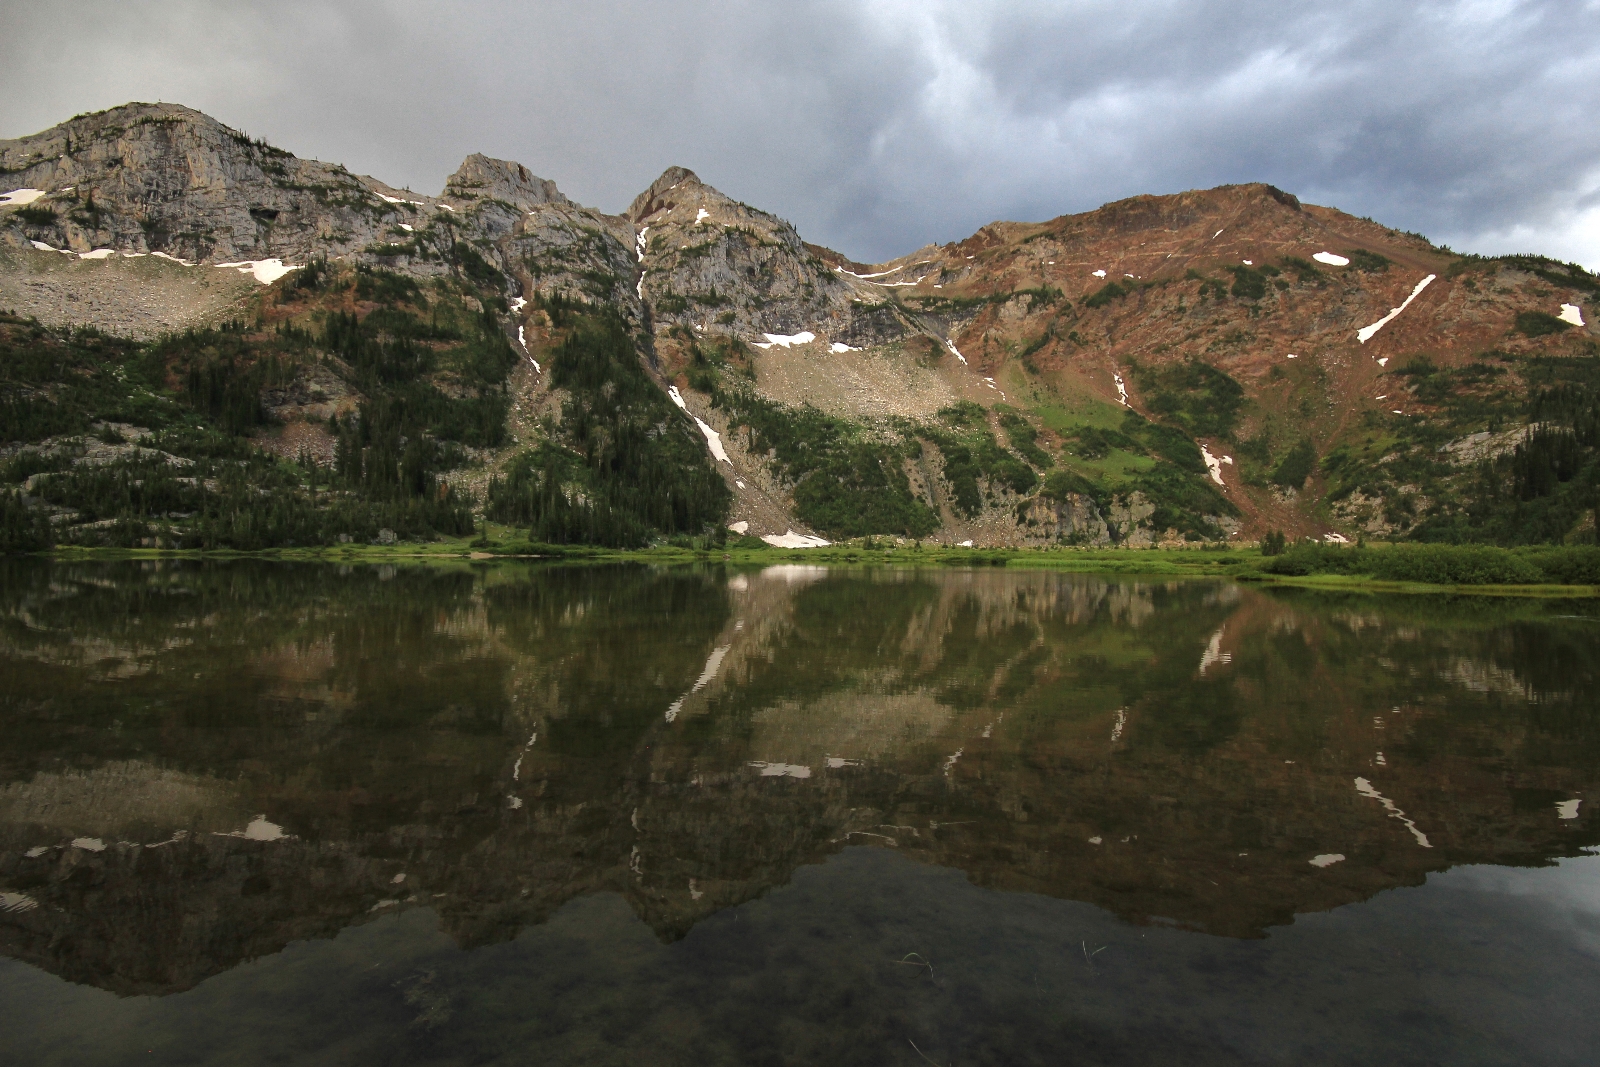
x=1079 y=519
x=163 y=178
x=480 y=178
x=717 y=265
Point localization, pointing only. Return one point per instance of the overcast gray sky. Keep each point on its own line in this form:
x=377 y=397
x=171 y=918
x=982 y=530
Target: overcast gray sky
x=879 y=127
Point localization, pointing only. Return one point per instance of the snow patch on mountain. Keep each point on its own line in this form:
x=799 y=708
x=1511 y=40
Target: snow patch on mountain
x=1366 y=332
x=713 y=441
x=265 y=271
x=790 y=539
x=784 y=340
x=869 y=277
x=1214 y=463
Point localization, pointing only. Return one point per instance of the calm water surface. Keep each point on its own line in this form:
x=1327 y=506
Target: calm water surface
x=263 y=813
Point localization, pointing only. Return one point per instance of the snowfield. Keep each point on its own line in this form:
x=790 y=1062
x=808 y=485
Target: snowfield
x=265 y=271
x=1366 y=333
x=784 y=340
x=1571 y=313
x=713 y=441
x=790 y=539
x=1214 y=463
x=19 y=197
x=1331 y=260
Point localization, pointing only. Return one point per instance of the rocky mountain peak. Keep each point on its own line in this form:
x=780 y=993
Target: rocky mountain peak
x=146 y=178
x=482 y=178
x=653 y=199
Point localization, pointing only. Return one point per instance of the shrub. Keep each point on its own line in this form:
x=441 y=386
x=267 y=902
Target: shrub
x=1430 y=564
x=1367 y=262
x=1454 y=565
x=1248 y=283
x=1104 y=295
x=1539 y=324
x=1296 y=466
x=1569 y=564
x=1301 y=560
x=1203 y=400
x=1062 y=484
x=1024 y=438
x=474 y=267
x=384 y=286
x=36 y=216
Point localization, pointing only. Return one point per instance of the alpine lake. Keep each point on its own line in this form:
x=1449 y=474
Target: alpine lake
x=256 y=812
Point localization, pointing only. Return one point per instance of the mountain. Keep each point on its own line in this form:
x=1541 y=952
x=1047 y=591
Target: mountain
x=1209 y=365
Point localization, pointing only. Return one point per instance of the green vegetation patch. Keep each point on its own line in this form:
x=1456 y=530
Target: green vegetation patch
x=1542 y=490
x=1307 y=271
x=1248 y=283
x=972 y=455
x=1159 y=461
x=847 y=481
x=1104 y=295
x=1295 y=467
x=1203 y=400
x=1444 y=564
x=58 y=382
x=1540 y=324
x=427 y=374
x=1024 y=438
x=624 y=466
x=1367 y=262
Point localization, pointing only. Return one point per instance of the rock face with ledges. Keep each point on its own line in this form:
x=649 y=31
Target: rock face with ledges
x=482 y=178
x=713 y=263
x=164 y=178
x=561 y=248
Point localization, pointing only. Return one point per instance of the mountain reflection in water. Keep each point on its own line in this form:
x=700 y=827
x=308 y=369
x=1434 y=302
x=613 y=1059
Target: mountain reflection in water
x=202 y=763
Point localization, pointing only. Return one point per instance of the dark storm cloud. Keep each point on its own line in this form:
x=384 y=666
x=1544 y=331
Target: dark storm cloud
x=879 y=127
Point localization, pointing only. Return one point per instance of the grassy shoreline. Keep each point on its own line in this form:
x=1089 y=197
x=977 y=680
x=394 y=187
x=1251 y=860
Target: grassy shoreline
x=1242 y=564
